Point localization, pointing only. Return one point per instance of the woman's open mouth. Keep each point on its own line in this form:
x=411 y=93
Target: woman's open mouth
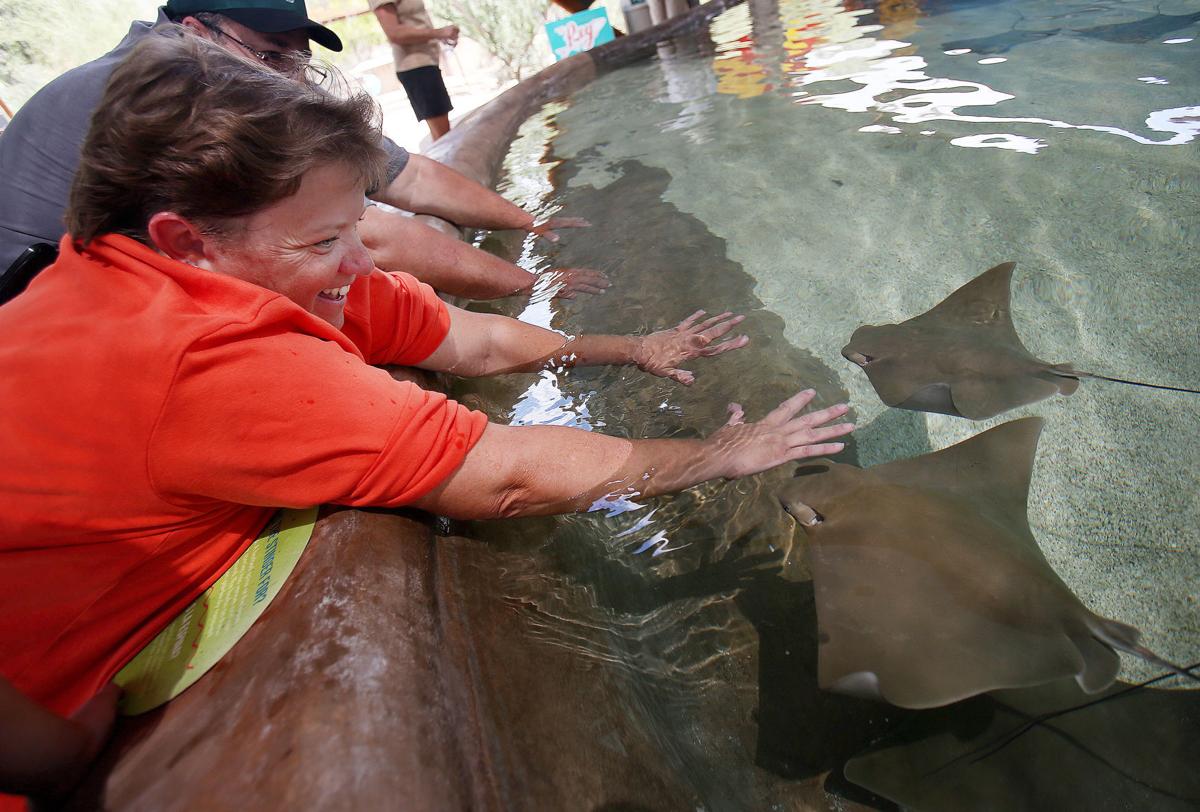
x=335 y=294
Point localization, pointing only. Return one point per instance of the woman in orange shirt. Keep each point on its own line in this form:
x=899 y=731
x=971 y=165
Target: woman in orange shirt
x=203 y=353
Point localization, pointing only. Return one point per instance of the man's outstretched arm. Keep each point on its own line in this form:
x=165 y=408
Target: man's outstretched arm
x=400 y=243
x=428 y=187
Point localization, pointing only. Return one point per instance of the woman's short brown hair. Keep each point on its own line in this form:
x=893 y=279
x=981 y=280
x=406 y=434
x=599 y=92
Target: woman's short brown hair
x=187 y=127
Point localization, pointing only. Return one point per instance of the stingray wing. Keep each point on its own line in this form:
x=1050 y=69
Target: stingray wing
x=992 y=470
x=982 y=396
x=983 y=303
x=931 y=588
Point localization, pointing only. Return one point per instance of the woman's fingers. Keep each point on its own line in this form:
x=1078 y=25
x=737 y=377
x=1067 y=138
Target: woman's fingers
x=781 y=436
x=712 y=327
x=808 y=436
x=791 y=407
x=822 y=416
x=680 y=375
x=734 y=343
x=789 y=412
x=690 y=320
x=805 y=452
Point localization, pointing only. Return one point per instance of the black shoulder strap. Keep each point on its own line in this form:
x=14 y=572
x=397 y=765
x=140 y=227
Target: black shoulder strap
x=24 y=268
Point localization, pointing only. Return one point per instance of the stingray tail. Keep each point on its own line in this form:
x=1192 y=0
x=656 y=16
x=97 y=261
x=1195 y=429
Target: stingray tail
x=1005 y=739
x=1125 y=638
x=1150 y=657
x=1066 y=371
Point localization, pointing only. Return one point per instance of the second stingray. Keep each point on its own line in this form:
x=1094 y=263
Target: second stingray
x=963 y=357
x=929 y=585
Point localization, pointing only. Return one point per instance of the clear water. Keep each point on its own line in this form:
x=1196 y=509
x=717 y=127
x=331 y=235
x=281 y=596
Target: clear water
x=822 y=165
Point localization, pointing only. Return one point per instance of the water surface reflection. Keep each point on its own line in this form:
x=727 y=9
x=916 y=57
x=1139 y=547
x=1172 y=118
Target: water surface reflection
x=824 y=165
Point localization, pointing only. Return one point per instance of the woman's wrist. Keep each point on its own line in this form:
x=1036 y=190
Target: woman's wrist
x=639 y=353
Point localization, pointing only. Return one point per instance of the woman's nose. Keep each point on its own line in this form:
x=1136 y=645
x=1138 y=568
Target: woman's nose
x=357 y=260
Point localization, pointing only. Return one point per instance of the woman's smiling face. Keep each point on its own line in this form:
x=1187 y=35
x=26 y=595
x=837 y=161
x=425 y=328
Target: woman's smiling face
x=304 y=247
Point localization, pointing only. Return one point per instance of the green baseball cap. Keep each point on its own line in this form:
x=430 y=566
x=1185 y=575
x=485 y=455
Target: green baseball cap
x=264 y=16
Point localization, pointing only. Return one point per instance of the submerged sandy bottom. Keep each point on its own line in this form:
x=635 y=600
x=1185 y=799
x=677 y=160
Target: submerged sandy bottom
x=841 y=227
x=710 y=186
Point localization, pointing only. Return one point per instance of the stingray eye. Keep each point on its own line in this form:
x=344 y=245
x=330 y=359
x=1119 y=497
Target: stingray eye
x=802 y=513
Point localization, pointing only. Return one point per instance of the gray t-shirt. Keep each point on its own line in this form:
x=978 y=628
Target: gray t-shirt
x=39 y=150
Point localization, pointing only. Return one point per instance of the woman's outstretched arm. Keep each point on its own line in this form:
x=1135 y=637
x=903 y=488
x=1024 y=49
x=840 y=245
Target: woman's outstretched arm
x=543 y=470
x=486 y=344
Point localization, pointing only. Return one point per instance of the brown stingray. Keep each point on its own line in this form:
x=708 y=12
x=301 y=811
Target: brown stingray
x=963 y=357
x=929 y=585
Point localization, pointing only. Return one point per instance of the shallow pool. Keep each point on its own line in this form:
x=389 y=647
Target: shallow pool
x=819 y=166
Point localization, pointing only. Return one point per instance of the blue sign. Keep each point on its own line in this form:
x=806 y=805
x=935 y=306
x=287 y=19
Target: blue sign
x=579 y=32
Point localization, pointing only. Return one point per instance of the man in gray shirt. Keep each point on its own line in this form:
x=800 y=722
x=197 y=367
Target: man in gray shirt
x=39 y=152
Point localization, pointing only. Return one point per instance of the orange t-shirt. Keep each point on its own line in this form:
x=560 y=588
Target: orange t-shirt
x=156 y=415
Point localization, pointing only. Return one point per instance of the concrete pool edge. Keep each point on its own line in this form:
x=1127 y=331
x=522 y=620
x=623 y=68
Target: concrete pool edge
x=359 y=685
x=477 y=145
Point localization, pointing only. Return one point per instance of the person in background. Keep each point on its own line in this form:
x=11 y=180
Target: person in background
x=40 y=151
x=416 y=47
x=202 y=352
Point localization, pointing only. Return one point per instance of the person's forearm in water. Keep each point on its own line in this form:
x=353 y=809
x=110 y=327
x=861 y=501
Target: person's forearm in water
x=483 y=344
x=428 y=187
x=400 y=243
x=544 y=470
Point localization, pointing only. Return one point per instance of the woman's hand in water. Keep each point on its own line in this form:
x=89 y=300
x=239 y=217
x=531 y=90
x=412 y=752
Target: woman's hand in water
x=740 y=448
x=661 y=353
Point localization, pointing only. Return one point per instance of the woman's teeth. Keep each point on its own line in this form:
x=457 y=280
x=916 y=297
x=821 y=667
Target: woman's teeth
x=336 y=293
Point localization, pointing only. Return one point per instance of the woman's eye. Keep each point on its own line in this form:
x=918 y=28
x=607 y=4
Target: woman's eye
x=326 y=243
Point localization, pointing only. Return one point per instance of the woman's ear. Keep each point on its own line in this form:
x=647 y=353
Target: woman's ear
x=178 y=238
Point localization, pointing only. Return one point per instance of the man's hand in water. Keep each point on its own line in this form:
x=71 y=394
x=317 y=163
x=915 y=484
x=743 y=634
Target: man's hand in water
x=661 y=353
x=566 y=282
x=546 y=230
x=742 y=448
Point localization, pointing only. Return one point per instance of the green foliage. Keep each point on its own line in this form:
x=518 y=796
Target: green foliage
x=507 y=28
x=39 y=39
x=351 y=20
x=360 y=35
